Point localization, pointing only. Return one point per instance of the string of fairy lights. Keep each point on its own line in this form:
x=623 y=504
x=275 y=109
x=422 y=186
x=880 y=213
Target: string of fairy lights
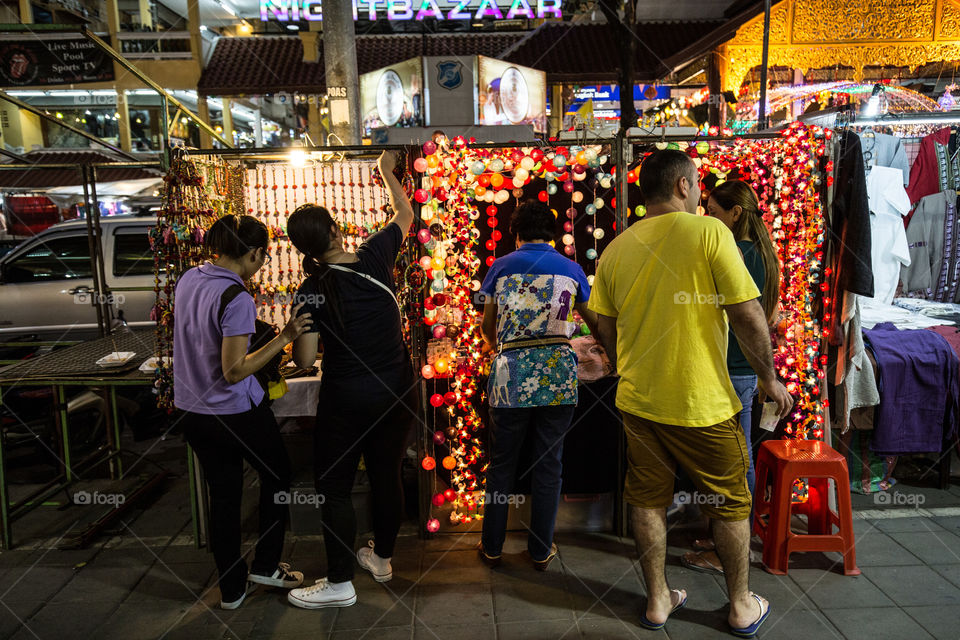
x=464 y=193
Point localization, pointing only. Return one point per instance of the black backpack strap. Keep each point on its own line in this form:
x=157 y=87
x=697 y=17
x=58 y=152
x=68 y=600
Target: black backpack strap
x=226 y=298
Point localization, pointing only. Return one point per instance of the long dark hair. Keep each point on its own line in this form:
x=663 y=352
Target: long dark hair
x=751 y=227
x=311 y=229
x=233 y=236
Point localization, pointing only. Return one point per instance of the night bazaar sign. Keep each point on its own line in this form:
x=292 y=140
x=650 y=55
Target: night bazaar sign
x=311 y=10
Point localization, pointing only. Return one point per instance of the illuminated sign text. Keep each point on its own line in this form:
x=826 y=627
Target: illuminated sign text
x=311 y=10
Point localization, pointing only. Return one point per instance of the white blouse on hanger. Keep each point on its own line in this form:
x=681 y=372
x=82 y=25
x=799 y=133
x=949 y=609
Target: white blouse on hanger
x=888 y=238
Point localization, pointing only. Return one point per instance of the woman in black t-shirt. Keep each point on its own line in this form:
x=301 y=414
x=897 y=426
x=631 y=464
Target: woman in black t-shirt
x=367 y=395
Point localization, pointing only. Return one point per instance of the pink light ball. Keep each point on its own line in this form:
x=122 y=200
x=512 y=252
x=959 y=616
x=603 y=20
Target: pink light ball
x=568 y=186
x=424 y=236
x=439 y=331
x=422 y=196
x=420 y=164
x=429 y=147
x=427 y=372
x=425 y=261
x=439 y=437
x=433 y=525
x=568 y=226
x=569 y=250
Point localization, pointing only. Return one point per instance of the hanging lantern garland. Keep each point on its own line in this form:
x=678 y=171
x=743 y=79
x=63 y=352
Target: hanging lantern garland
x=785 y=173
x=457 y=183
x=177 y=244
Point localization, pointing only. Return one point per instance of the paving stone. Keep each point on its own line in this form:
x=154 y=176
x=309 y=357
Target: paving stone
x=694 y=622
x=870 y=624
x=879 y=549
x=461 y=631
x=96 y=583
x=452 y=542
x=76 y=620
x=914 y=586
x=517 y=602
x=143 y=621
x=950 y=523
x=829 y=590
x=615 y=599
x=14 y=614
x=608 y=629
x=174 y=581
x=785 y=623
x=35 y=584
x=936 y=621
x=284 y=618
x=949 y=571
x=379 y=633
x=453 y=567
x=452 y=604
x=553 y=629
x=932 y=547
x=376 y=607
x=907 y=525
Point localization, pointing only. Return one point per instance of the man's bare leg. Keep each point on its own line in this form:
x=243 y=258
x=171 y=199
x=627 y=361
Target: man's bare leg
x=733 y=547
x=650 y=535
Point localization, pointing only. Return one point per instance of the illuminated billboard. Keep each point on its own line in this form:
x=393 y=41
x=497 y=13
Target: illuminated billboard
x=311 y=10
x=393 y=96
x=511 y=94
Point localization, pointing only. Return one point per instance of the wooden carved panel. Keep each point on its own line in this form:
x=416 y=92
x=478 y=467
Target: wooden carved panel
x=752 y=32
x=740 y=59
x=832 y=21
x=950 y=22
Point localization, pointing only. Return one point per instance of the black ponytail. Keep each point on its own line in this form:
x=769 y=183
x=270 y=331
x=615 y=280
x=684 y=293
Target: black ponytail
x=233 y=236
x=311 y=229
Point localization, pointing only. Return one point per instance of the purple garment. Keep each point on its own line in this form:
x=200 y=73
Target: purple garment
x=198 y=382
x=917 y=375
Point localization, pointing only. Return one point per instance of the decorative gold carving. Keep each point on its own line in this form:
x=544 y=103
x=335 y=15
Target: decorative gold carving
x=752 y=32
x=741 y=58
x=950 y=21
x=832 y=21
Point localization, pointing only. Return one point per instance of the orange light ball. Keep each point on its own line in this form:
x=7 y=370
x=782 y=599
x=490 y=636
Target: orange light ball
x=428 y=464
x=449 y=463
x=496 y=181
x=433 y=161
x=440 y=365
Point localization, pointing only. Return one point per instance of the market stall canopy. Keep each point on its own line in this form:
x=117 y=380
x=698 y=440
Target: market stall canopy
x=40 y=179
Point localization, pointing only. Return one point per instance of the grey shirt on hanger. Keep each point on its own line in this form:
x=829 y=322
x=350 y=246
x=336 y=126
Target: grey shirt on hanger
x=883 y=150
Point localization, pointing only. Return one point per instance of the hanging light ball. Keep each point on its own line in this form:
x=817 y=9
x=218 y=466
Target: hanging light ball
x=598 y=233
x=429 y=147
x=569 y=250
x=591 y=209
x=428 y=463
x=577 y=196
x=591 y=254
x=433 y=525
x=427 y=372
x=420 y=165
x=567 y=239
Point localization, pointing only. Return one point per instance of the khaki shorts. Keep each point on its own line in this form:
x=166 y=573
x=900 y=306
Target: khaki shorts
x=714 y=457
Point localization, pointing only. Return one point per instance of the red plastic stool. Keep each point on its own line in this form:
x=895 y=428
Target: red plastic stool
x=789 y=460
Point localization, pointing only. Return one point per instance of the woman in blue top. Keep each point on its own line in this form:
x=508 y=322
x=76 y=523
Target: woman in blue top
x=735 y=203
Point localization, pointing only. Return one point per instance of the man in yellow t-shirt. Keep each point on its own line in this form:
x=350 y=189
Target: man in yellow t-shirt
x=663 y=292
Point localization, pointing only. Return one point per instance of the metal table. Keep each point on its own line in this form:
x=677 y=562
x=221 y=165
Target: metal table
x=75 y=366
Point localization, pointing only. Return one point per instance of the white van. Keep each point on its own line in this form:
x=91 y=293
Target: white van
x=46 y=283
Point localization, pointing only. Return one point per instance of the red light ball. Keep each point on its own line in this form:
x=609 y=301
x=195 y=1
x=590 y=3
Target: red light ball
x=439 y=299
x=450 y=398
x=493 y=222
x=543 y=196
x=436 y=400
x=437 y=500
x=492 y=210
x=433 y=525
x=439 y=437
x=490 y=260
x=491 y=245
x=450 y=495
x=428 y=464
x=496 y=235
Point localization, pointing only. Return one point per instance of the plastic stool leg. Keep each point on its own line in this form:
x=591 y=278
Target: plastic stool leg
x=844 y=507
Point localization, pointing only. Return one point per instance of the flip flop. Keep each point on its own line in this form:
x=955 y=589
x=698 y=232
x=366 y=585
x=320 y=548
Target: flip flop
x=690 y=564
x=749 y=632
x=704 y=545
x=652 y=626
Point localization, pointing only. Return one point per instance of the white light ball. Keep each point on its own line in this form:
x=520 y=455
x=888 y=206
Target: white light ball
x=598 y=233
x=567 y=238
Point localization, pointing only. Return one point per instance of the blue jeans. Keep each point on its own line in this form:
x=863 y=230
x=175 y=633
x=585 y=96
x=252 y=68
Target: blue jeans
x=508 y=429
x=746 y=388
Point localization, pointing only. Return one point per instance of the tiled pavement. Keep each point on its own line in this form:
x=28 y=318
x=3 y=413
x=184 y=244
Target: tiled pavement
x=147 y=581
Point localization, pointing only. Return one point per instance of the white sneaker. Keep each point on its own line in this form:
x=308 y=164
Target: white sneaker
x=323 y=594
x=235 y=604
x=380 y=567
x=282 y=577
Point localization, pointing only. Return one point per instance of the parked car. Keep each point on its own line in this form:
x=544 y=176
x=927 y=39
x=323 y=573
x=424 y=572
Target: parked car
x=46 y=283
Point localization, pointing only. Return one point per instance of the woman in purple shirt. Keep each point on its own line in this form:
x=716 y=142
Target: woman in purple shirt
x=224 y=416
